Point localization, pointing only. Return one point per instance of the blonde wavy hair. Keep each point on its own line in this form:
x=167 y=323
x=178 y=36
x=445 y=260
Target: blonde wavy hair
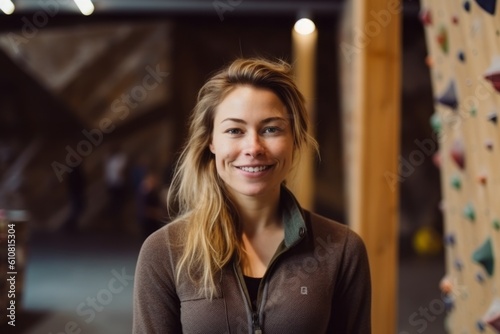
x=212 y=237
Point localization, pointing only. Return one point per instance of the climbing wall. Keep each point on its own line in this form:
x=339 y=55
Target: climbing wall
x=463 y=38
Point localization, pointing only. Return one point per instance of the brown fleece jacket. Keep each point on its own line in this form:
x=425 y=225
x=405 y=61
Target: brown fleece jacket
x=317 y=282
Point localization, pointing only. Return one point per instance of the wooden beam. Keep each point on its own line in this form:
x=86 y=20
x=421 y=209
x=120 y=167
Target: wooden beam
x=302 y=183
x=370 y=51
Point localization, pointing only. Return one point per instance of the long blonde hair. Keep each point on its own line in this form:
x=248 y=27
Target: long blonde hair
x=213 y=233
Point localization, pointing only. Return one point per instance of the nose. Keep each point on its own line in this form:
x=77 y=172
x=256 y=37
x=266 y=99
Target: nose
x=254 y=146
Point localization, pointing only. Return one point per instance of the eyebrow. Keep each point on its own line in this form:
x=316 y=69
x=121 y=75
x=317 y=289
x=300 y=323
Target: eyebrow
x=264 y=121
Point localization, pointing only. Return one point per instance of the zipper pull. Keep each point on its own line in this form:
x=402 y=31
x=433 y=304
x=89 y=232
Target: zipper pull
x=256 y=325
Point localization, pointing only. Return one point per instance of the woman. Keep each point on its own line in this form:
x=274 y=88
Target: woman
x=242 y=256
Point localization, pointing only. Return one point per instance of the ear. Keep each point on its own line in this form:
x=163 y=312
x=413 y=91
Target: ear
x=211 y=147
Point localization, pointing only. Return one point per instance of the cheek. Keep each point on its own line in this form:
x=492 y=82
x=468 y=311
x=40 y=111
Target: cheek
x=284 y=150
x=222 y=156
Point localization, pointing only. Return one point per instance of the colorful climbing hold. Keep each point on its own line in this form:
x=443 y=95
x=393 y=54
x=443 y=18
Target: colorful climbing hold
x=459 y=265
x=492 y=316
x=480 y=278
x=436 y=159
x=473 y=112
x=458 y=154
x=480 y=326
x=456 y=182
x=484 y=256
x=442 y=39
x=426 y=17
x=454 y=19
x=429 y=61
x=445 y=285
x=449 y=97
x=436 y=123
x=467 y=6
x=481 y=178
x=449 y=302
x=469 y=212
x=488 y=143
x=492 y=74
x=488 y=5
x=496 y=224
x=449 y=239
x=493 y=117
x=461 y=56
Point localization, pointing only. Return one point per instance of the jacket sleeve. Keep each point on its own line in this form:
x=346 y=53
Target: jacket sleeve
x=156 y=305
x=352 y=300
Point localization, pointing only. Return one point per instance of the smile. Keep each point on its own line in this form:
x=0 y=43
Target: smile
x=254 y=169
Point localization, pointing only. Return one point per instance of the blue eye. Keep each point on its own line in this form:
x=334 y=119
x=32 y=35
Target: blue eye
x=233 y=131
x=272 y=129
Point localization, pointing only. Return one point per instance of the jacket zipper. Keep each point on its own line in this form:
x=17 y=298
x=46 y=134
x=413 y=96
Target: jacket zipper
x=255 y=314
x=256 y=324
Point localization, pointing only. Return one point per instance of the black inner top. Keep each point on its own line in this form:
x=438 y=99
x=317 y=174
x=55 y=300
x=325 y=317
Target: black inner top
x=252 y=284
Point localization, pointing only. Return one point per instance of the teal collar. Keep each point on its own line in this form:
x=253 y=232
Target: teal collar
x=293 y=217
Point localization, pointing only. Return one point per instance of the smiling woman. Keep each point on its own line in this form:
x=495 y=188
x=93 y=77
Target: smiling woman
x=242 y=256
x=252 y=143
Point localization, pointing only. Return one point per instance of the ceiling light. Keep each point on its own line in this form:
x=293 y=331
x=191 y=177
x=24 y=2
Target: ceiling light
x=304 y=26
x=7 y=6
x=85 y=6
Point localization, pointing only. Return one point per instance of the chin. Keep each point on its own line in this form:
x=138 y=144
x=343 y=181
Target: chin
x=253 y=190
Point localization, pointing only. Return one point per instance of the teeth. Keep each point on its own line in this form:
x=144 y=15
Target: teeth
x=253 y=169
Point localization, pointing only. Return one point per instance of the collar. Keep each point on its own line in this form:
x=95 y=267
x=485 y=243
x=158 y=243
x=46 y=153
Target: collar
x=293 y=217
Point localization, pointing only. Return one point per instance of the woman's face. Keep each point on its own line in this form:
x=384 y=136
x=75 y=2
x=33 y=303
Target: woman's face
x=252 y=142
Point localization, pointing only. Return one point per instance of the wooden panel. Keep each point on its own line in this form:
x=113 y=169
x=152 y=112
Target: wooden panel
x=371 y=52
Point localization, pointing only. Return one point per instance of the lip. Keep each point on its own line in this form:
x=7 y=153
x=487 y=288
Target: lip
x=254 y=165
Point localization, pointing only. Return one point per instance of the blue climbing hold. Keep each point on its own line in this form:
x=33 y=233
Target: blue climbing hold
x=449 y=239
x=449 y=97
x=461 y=56
x=467 y=6
x=488 y=5
x=449 y=302
x=480 y=326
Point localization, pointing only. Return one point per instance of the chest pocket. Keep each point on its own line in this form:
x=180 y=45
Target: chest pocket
x=201 y=315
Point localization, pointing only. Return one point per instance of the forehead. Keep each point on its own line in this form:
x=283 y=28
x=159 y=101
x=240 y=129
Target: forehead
x=250 y=102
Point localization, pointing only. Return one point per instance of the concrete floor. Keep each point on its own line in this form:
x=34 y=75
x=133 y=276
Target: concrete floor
x=419 y=295
x=64 y=271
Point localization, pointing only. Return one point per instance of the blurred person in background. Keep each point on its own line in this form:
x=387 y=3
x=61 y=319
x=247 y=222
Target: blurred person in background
x=76 y=193
x=115 y=178
x=242 y=256
x=152 y=213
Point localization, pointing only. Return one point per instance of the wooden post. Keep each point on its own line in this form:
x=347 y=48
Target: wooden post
x=304 y=65
x=371 y=71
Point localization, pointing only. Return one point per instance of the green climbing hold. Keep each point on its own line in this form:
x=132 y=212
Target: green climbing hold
x=473 y=112
x=469 y=212
x=496 y=224
x=484 y=256
x=456 y=182
x=442 y=39
x=436 y=123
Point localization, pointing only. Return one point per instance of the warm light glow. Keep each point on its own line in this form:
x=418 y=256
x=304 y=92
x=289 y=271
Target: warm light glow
x=7 y=6
x=85 y=6
x=304 y=26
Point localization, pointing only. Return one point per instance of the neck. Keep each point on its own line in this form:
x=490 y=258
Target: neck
x=258 y=213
